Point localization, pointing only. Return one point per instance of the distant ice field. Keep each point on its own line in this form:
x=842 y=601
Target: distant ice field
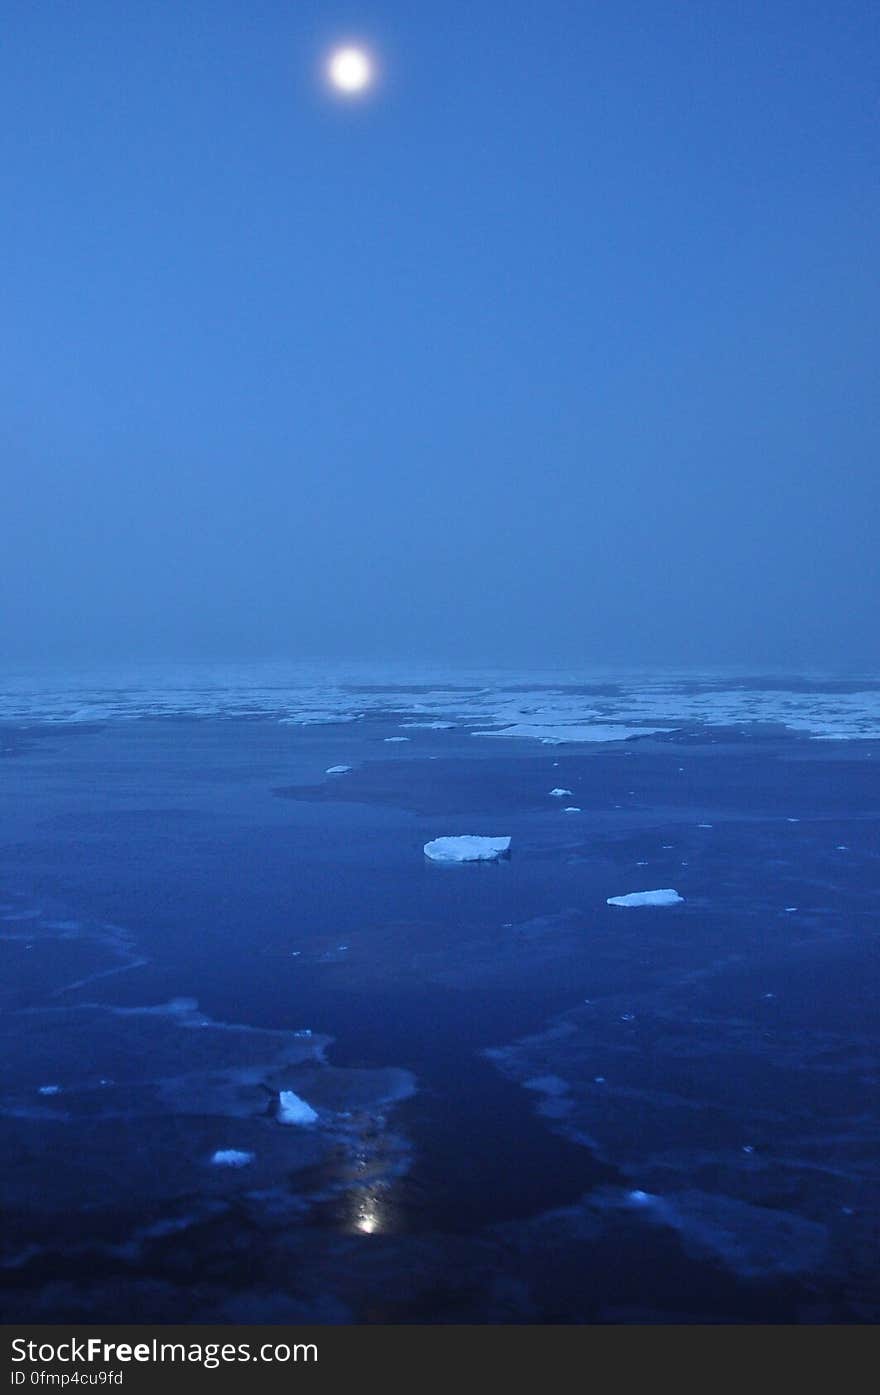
x=549 y=707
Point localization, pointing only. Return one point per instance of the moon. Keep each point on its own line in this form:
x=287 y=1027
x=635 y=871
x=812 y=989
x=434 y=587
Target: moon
x=350 y=70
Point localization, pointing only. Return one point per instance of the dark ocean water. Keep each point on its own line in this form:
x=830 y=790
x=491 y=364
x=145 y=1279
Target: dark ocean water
x=531 y=1106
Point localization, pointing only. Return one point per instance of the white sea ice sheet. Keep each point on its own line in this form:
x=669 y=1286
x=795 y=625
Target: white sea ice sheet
x=552 y=706
x=665 y=897
x=467 y=847
x=293 y=1110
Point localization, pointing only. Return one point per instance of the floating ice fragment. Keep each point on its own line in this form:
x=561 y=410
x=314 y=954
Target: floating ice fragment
x=789 y=909
x=571 y=809
x=231 y=1157
x=430 y=726
x=466 y=848
x=560 y=793
x=49 y=1090
x=704 y=825
x=665 y=897
x=293 y=1110
x=389 y=739
x=564 y=734
x=639 y=1198
x=337 y=769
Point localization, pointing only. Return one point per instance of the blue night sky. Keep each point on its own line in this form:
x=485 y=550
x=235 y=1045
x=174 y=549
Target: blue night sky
x=561 y=345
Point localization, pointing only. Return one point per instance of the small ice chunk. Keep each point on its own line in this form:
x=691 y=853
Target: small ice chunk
x=231 y=1157
x=571 y=809
x=396 y=738
x=336 y=769
x=639 y=1198
x=430 y=726
x=293 y=1110
x=666 y=897
x=466 y=848
x=704 y=825
x=49 y=1090
x=560 y=793
x=789 y=909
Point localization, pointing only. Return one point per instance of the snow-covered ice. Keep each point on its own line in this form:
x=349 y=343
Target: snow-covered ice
x=571 y=809
x=389 y=739
x=49 y=1090
x=560 y=793
x=666 y=897
x=293 y=1110
x=466 y=848
x=337 y=769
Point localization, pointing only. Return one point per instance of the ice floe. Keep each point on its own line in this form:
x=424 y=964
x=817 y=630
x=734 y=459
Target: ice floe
x=337 y=769
x=560 y=735
x=430 y=726
x=640 y=1198
x=560 y=793
x=293 y=1110
x=665 y=897
x=467 y=847
x=231 y=1157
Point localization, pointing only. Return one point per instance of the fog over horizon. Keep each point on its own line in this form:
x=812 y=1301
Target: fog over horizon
x=557 y=349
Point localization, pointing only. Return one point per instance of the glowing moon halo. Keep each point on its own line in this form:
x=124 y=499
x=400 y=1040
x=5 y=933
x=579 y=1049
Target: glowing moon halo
x=350 y=70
